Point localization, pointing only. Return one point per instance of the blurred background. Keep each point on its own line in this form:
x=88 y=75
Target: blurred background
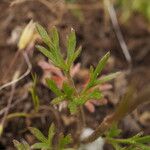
x=119 y=26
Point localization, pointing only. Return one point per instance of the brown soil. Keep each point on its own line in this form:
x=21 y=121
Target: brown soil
x=97 y=36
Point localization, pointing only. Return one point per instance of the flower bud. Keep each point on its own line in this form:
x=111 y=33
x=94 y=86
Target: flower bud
x=27 y=35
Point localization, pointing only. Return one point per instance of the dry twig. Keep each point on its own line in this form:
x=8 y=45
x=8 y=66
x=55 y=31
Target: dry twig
x=118 y=32
x=26 y=58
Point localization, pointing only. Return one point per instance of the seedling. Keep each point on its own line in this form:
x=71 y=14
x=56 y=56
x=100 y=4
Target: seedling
x=44 y=142
x=77 y=98
x=69 y=92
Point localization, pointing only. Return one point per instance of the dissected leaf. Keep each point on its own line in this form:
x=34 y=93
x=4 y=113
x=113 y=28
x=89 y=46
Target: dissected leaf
x=38 y=134
x=48 y=54
x=72 y=107
x=52 y=85
x=101 y=65
x=44 y=35
x=51 y=133
x=68 y=90
x=96 y=94
x=56 y=50
x=113 y=131
x=21 y=146
x=58 y=99
x=41 y=146
x=53 y=53
x=55 y=38
x=95 y=73
x=107 y=78
x=71 y=45
x=144 y=139
x=76 y=54
x=63 y=141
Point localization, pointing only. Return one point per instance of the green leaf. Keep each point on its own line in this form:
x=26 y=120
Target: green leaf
x=34 y=95
x=91 y=72
x=107 y=78
x=95 y=73
x=117 y=146
x=63 y=141
x=96 y=94
x=101 y=65
x=68 y=90
x=76 y=54
x=79 y=100
x=38 y=134
x=55 y=38
x=52 y=86
x=44 y=35
x=113 y=131
x=21 y=146
x=72 y=107
x=35 y=99
x=18 y=145
x=40 y=146
x=59 y=99
x=71 y=45
x=142 y=147
x=56 y=50
x=51 y=134
x=144 y=139
x=47 y=53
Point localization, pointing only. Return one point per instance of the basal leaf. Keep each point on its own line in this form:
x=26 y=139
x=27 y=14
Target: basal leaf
x=41 y=146
x=38 y=134
x=51 y=134
x=63 y=141
x=21 y=146
x=113 y=131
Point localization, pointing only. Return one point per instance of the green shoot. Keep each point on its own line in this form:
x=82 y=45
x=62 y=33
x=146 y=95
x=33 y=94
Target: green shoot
x=77 y=98
x=137 y=142
x=69 y=92
x=34 y=95
x=47 y=142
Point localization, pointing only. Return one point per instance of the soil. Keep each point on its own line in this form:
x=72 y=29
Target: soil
x=96 y=35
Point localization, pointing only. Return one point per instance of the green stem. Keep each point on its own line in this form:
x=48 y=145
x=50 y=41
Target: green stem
x=81 y=111
x=121 y=141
